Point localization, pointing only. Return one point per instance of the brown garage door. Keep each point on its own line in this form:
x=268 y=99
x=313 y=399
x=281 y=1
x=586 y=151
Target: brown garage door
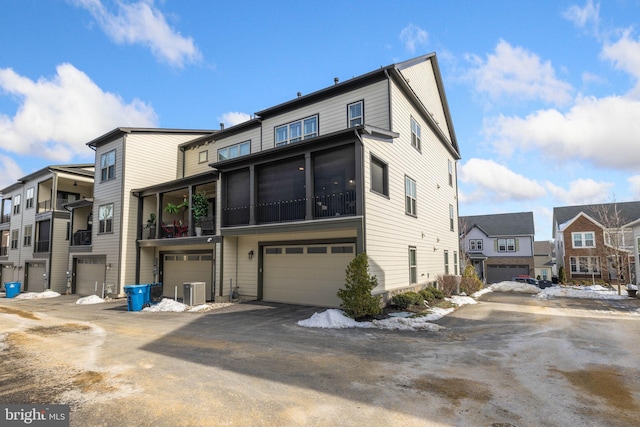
x=90 y=276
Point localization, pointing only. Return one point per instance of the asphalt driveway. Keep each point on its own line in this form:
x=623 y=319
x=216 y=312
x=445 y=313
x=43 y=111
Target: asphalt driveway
x=509 y=360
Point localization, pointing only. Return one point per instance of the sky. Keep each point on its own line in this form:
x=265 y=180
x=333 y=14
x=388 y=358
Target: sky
x=544 y=95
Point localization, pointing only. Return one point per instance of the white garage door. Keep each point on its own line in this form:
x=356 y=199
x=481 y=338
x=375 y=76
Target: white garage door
x=305 y=274
x=181 y=268
x=90 y=275
x=34 y=277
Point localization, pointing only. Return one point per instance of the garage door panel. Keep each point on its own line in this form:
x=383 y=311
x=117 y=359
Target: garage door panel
x=178 y=269
x=90 y=276
x=306 y=274
x=500 y=273
x=34 y=281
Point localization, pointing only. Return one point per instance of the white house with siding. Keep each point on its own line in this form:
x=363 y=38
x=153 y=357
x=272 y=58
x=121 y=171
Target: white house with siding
x=365 y=165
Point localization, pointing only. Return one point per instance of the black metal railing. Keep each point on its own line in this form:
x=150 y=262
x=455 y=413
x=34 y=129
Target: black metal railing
x=5 y=218
x=323 y=206
x=82 y=238
x=42 y=246
x=46 y=205
x=4 y=250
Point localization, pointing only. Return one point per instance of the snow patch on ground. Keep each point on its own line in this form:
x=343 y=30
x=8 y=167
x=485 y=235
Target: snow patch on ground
x=169 y=305
x=37 y=295
x=92 y=299
x=589 y=292
x=509 y=286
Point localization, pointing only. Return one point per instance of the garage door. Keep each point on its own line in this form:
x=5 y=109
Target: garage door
x=500 y=273
x=178 y=269
x=90 y=275
x=34 y=277
x=305 y=274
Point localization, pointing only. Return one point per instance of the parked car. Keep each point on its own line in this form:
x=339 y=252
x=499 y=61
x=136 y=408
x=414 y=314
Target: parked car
x=542 y=284
x=525 y=279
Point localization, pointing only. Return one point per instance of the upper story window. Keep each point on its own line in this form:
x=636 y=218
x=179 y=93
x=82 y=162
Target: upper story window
x=411 y=199
x=14 y=238
x=105 y=216
x=506 y=245
x=416 y=134
x=236 y=150
x=583 y=239
x=203 y=156
x=379 y=176
x=16 y=204
x=451 y=217
x=297 y=131
x=108 y=165
x=475 y=245
x=29 y=198
x=355 y=114
x=28 y=232
x=450 y=172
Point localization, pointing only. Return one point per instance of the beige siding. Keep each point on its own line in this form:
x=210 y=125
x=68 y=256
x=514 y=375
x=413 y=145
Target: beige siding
x=423 y=82
x=253 y=135
x=333 y=112
x=59 y=256
x=390 y=231
x=192 y=166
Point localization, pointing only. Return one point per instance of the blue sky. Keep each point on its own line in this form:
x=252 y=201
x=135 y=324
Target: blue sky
x=544 y=95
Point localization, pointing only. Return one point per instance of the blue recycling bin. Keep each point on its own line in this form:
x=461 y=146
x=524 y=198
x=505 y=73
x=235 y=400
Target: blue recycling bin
x=12 y=289
x=137 y=296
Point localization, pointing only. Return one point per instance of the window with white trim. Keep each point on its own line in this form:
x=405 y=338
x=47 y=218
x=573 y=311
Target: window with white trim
x=105 y=217
x=16 y=204
x=450 y=166
x=14 y=238
x=233 y=151
x=355 y=114
x=451 y=217
x=203 y=156
x=446 y=262
x=585 y=239
x=29 y=199
x=506 y=245
x=584 y=264
x=416 y=134
x=475 y=245
x=296 y=131
x=108 y=165
x=411 y=198
x=28 y=232
x=413 y=265
x=455 y=262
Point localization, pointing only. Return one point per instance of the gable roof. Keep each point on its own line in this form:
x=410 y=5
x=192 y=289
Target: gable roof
x=119 y=131
x=629 y=211
x=507 y=224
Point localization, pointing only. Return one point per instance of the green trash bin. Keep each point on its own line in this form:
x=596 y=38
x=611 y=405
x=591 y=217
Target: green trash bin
x=137 y=296
x=12 y=289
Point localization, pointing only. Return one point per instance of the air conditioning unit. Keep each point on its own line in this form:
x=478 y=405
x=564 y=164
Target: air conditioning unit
x=194 y=293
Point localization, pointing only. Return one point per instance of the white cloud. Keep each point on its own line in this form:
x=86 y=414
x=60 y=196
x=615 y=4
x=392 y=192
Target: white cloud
x=495 y=182
x=514 y=72
x=625 y=55
x=57 y=117
x=580 y=192
x=11 y=171
x=583 y=16
x=603 y=131
x=142 y=23
x=634 y=183
x=412 y=36
x=233 y=118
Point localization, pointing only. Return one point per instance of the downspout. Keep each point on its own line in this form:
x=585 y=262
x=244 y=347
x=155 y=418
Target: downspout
x=361 y=243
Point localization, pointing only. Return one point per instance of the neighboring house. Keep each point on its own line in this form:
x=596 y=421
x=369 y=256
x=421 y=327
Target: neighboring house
x=35 y=225
x=499 y=246
x=544 y=259
x=104 y=252
x=589 y=238
x=635 y=262
x=366 y=165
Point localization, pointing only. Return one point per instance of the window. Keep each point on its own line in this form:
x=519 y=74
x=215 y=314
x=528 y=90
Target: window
x=16 y=204
x=203 y=156
x=455 y=262
x=29 y=198
x=236 y=150
x=506 y=245
x=410 y=196
x=583 y=240
x=450 y=165
x=415 y=134
x=475 y=245
x=14 y=239
x=28 y=231
x=413 y=265
x=584 y=264
x=108 y=165
x=317 y=250
x=446 y=262
x=451 y=217
x=297 y=131
x=379 y=176
x=355 y=114
x=105 y=216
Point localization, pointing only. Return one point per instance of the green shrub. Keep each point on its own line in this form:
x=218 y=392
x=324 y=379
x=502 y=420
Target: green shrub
x=401 y=301
x=357 y=301
x=562 y=275
x=427 y=294
x=437 y=293
x=469 y=285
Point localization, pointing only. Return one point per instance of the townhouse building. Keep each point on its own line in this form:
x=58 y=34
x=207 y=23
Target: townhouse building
x=500 y=246
x=364 y=165
x=35 y=226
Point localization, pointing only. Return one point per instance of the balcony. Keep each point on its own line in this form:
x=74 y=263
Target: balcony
x=4 y=250
x=6 y=218
x=82 y=238
x=47 y=205
x=323 y=206
x=42 y=246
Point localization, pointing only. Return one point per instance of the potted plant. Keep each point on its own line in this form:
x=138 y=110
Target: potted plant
x=151 y=225
x=199 y=209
